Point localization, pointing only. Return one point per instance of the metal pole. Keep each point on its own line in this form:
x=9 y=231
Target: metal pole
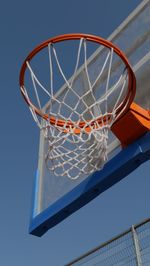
x=137 y=247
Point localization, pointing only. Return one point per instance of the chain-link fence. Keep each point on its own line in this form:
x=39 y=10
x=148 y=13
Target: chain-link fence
x=131 y=248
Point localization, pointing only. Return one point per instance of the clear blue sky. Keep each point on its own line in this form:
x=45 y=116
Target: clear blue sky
x=24 y=24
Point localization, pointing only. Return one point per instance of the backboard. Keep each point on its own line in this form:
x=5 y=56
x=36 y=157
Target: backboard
x=55 y=198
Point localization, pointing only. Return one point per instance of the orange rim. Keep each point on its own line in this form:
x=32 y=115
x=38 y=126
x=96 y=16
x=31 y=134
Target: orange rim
x=76 y=36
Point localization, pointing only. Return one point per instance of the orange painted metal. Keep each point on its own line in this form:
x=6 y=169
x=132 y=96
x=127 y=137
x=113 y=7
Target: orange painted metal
x=76 y=36
x=134 y=124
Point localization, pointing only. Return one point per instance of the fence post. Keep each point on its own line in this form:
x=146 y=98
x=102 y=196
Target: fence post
x=137 y=247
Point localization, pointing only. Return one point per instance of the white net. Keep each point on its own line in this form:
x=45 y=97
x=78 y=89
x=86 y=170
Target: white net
x=75 y=154
x=79 y=117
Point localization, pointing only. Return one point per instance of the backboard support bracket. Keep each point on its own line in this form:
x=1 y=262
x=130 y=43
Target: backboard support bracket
x=134 y=124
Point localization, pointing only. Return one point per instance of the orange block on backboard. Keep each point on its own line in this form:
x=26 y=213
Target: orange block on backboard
x=135 y=123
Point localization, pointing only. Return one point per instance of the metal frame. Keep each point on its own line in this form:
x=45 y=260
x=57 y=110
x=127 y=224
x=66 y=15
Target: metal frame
x=125 y=104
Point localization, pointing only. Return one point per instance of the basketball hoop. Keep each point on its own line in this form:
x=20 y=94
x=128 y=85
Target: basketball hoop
x=76 y=121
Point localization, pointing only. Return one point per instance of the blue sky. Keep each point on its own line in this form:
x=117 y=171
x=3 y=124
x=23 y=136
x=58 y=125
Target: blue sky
x=24 y=24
